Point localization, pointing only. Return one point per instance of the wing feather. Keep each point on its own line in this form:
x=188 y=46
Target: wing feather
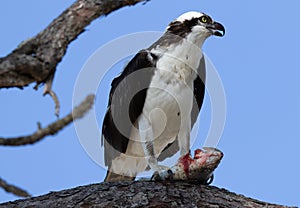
x=199 y=90
x=126 y=102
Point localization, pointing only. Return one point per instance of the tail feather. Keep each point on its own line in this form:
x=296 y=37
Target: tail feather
x=113 y=177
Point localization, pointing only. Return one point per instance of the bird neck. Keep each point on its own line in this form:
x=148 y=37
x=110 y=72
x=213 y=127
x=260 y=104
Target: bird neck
x=196 y=39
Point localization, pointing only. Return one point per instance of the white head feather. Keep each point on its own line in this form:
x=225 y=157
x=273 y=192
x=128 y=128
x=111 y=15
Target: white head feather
x=188 y=16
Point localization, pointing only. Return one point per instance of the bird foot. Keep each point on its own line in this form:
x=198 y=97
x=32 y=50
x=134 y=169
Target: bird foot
x=162 y=175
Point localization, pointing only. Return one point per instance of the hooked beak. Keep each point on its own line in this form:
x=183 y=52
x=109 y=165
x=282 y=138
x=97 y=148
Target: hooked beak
x=217 y=29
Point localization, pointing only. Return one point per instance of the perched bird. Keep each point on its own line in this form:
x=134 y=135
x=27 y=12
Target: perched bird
x=155 y=102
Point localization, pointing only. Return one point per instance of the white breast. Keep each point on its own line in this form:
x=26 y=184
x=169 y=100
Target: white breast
x=170 y=94
x=182 y=60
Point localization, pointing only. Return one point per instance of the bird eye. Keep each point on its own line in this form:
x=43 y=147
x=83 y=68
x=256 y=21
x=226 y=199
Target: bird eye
x=204 y=19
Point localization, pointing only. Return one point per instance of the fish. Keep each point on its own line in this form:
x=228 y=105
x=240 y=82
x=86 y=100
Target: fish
x=199 y=168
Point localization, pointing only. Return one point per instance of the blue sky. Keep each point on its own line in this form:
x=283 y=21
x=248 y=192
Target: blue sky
x=257 y=61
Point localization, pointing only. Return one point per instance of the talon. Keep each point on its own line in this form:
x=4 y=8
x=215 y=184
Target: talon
x=209 y=180
x=162 y=175
x=170 y=174
x=155 y=176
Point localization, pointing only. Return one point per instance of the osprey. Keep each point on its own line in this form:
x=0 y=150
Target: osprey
x=155 y=102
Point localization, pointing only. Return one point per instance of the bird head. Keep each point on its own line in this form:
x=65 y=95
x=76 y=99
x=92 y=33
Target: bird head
x=195 y=26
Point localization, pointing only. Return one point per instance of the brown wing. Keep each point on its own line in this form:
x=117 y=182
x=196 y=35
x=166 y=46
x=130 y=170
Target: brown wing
x=126 y=102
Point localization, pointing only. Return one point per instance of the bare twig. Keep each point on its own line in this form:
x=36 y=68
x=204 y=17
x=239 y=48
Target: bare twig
x=53 y=128
x=54 y=98
x=48 y=90
x=13 y=189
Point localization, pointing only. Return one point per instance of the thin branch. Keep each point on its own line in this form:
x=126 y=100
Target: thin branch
x=54 y=98
x=13 y=189
x=53 y=128
x=36 y=59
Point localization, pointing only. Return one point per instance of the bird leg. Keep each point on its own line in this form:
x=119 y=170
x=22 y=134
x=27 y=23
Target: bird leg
x=184 y=137
x=184 y=146
x=147 y=140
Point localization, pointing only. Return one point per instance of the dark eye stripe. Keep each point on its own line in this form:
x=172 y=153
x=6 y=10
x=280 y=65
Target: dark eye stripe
x=183 y=28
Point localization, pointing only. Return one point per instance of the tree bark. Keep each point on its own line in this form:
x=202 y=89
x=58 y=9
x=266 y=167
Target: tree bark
x=141 y=194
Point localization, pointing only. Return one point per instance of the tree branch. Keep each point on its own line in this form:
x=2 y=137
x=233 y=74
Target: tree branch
x=52 y=128
x=142 y=194
x=35 y=60
x=13 y=189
